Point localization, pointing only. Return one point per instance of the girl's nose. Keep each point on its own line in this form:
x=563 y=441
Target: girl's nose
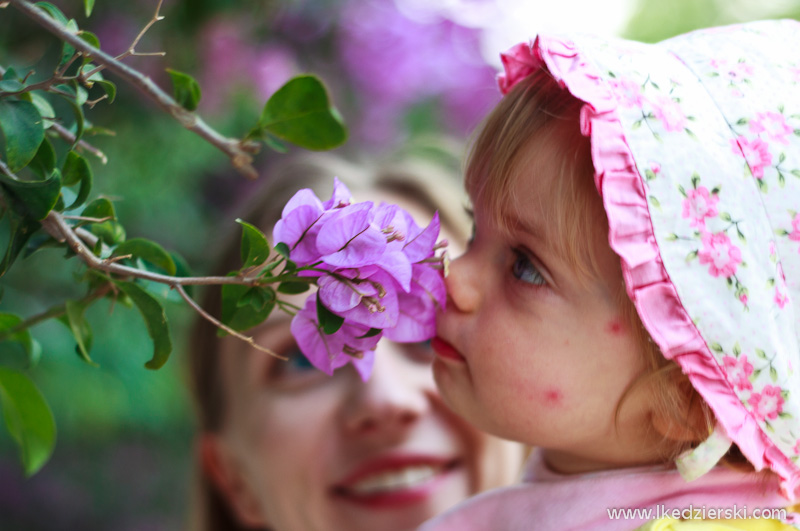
x=463 y=285
x=394 y=398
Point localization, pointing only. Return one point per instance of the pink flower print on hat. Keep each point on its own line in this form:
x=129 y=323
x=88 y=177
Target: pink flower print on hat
x=795 y=234
x=699 y=205
x=735 y=72
x=669 y=112
x=720 y=254
x=627 y=91
x=755 y=152
x=767 y=404
x=773 y=124
x=738 y=372
x=780 y=298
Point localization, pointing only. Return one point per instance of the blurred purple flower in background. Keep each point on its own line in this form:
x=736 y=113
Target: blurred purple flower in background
x=396 y=62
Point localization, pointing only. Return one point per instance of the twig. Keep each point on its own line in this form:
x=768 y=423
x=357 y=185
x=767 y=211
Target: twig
x=58 y=228
x=87 y=218
x=240 y=152
x=64 y=133
x=247 y=339
x=132 y=49
x=53 y=312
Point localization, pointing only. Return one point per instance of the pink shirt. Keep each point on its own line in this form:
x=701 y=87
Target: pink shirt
x=548 y=501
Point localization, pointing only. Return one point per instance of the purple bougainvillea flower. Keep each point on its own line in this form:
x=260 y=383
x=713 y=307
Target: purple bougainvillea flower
x=420 y=245
x=328 y=352
x=427 y=294
x=298 y=229
x=341 y=196
x=375 y=269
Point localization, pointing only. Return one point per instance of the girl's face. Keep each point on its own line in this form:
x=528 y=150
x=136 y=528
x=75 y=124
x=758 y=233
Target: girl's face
x=304 y=451
x=530 y=351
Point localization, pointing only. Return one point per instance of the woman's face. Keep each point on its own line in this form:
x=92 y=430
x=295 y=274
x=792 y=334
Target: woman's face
x=300 y=450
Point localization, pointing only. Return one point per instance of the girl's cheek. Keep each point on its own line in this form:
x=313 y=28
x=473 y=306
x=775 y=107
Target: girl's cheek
x=552 y=397
x=615 y=327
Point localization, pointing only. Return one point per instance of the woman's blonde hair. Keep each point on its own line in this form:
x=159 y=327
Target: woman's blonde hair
x=534 y=110
x=424 y=180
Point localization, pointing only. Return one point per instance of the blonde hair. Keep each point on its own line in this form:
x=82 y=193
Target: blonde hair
x=535 y=110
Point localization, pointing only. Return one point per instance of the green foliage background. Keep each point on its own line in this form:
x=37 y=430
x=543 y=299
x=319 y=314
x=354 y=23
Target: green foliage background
x=124 y=451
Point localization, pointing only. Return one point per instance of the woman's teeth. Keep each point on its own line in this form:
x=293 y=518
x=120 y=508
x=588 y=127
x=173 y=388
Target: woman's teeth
x=405 y=478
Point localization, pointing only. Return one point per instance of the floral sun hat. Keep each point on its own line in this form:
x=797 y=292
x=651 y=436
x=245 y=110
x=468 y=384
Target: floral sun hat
x=696 y=149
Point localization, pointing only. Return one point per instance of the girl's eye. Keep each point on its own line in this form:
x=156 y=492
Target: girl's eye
x=524 y=270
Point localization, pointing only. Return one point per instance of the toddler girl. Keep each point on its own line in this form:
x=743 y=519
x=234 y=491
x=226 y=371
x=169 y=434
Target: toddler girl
x=645 y=339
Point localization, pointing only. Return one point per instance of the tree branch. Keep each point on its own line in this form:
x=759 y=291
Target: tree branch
x=58 y=228
x=68 y=137
x=240 y=152
x=247 y=339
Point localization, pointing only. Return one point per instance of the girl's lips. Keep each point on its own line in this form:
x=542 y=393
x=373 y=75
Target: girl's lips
x=446 y=350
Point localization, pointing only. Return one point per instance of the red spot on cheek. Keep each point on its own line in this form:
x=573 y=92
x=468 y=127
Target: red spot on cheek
x=615 y=328
x=553 y=397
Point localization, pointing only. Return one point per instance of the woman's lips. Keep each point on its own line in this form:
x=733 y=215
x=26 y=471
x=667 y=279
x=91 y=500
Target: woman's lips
x=395 y=481
x=446 y=350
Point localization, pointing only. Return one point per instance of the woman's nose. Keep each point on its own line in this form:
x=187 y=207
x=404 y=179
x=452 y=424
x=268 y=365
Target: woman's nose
x=394 y=398
x=463 y=285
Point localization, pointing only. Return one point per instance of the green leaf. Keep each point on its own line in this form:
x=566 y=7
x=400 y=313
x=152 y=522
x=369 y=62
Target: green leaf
x=682 y=190
x=99 y=208
x=773 y=373
x=77 y=170
x=73 y=97
x=148 y=251
x=257 y=297
x=33 y=198
x=109 y=88
x=796 y=173
x=185 y=89
x=737 y=349
x=11 y=85
x=255 y=247
x=23 y=129
x=21 y=228
x=28 y=419
x=725 y=216
x=46 y=110
x=80 y=329
x=44 y=162
x=155 y=319
x=244 y=307
x=89 y=38
x=291 y=287
x=53 y=11
x=282 y=249
x=761 y=354
x=67 y=50
x=110 y=232
x=716 y=347
x=88 y=5
x=329 y=321
x=32 y=348
x=372 y=332
x=300 y=112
